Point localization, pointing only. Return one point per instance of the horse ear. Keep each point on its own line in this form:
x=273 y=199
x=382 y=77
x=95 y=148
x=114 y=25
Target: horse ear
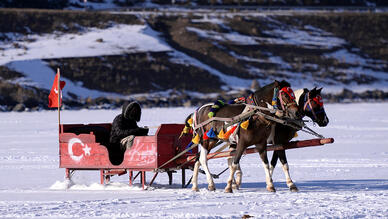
x=276 y=83
x=319 y=90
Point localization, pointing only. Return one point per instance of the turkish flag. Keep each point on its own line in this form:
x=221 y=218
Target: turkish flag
x=53 y=96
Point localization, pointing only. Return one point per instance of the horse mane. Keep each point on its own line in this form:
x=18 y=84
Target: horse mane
x=284 y=83
x=262 y=93
x=298 y=93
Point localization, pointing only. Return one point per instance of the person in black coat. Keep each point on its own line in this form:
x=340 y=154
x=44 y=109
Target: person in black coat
x=124 y=128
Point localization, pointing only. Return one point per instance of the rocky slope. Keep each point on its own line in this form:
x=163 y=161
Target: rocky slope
x=207 y=54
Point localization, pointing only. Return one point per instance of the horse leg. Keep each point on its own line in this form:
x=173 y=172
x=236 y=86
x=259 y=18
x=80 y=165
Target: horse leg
x=203 y=161
x=274 y=161
x=194 y=180
x=264 y=159
x=230 y=162
x=233 y=167
x=236 y=181
x=271 y=140
x=286 y=170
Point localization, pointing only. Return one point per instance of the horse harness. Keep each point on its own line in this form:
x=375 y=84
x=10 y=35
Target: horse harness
x=308 y=107
x=252 y=110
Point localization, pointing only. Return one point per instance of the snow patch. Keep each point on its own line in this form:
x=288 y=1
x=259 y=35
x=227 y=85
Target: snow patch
x=39 y=74
x=233 y=37
x=115 y=40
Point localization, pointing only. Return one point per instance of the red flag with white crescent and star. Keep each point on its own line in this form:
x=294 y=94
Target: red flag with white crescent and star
x=53 y=96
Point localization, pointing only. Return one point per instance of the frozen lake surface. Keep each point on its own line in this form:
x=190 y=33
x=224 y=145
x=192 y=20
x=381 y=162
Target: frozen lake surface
x=346 y=179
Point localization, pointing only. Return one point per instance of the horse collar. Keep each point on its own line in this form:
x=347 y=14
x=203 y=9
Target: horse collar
x=250 y=99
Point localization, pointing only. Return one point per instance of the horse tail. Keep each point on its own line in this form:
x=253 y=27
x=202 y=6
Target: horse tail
x=188 y=125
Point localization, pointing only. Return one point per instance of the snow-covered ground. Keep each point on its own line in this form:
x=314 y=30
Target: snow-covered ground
x=347 y=179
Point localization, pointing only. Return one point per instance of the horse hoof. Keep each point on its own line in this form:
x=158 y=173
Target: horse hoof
x=195 y=189
x=235 y=186
x=212 y=188
x=271 y=189
x=294 y=189
x=228 y=190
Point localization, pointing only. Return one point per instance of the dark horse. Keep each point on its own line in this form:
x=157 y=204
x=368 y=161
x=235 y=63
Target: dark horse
x=310 y=104
x=256 y=133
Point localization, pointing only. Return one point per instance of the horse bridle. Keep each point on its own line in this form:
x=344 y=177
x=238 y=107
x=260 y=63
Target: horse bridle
x=309 y=107
x=278 y=96
x=291 y=94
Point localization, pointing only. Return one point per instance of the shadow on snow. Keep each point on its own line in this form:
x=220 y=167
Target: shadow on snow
x=318 y=185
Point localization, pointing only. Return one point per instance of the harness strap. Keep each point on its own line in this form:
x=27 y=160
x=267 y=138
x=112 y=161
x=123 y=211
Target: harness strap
x=308 y=104
x=217 y=144
x=176 y=156
x=281 y=100
x=275 y=98
x=311 y=132
x=231 y=120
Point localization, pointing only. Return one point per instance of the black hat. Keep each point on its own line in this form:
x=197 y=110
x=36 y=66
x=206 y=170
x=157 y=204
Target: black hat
x=132 y=111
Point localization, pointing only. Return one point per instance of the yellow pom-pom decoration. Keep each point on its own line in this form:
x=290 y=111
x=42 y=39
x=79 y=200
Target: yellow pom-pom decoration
x=296 y=135
x=245 y=124
x=190 y=121
x=273 y=102
x=186 y=130
x=210 y=114
x=221 y=134
x=196 y=139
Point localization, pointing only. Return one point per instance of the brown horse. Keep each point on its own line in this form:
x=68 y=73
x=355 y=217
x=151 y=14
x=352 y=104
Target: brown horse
x=310 y=104
x=256 y=133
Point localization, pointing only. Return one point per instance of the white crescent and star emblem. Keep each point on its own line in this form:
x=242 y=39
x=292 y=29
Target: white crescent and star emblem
x=56 y=91
x=85 y=148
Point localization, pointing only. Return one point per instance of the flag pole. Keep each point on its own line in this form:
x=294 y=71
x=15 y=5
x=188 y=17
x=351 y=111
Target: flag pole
x=59 y=97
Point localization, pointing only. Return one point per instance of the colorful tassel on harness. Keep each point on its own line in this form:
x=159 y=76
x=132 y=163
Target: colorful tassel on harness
x=211 y=134
x=196 y=139
x=245 y=124
x=296 y=135
x=221 y=135
x=228 y=133
x=215 y=107
x=185 y=130
x=189 y=145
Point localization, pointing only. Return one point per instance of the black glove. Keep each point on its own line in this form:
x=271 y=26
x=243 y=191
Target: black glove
x=144 y=131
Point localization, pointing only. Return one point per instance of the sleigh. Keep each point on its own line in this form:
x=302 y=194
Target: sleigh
x=84 y=147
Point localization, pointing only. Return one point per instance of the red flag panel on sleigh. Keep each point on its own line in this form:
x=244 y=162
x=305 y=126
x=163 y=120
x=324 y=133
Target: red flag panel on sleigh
x=87 y=150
